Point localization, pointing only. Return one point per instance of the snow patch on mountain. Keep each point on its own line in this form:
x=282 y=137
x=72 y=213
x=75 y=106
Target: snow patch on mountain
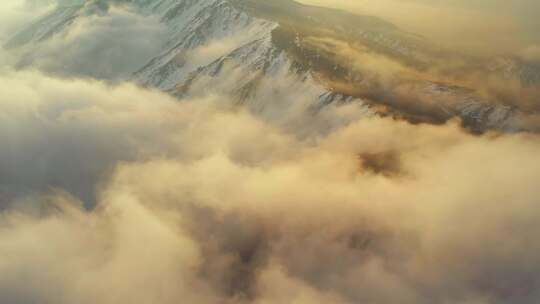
x=214 y=47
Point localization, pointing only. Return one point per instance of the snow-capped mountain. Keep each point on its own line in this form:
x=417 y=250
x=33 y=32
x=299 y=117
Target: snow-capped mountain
x=277 y=53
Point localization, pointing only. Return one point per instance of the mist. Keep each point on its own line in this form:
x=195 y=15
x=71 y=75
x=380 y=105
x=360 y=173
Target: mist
x=478 y=27
x=95 y=46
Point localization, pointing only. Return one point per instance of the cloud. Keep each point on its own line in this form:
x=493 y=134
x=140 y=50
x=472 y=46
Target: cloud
x=44 y=123
x=16 y=13
x=109 y=45
x=433 y=92
x=195 y=202
x=118 y=194
x=67 y=134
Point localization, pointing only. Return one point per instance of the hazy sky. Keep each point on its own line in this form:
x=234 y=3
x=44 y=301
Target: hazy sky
x=479 y=24
x=485 y=25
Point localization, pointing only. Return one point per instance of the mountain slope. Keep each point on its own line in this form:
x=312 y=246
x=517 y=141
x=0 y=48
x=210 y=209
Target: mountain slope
x=285 y=55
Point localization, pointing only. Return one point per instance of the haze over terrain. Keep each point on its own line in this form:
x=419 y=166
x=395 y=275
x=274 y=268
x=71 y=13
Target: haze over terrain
x=268 y=152
x=473 y=25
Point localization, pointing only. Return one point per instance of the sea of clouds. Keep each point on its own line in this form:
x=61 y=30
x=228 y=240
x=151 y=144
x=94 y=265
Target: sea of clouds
x=113 y=193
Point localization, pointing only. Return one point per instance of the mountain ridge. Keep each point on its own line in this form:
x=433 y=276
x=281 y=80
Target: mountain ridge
x=269 y=42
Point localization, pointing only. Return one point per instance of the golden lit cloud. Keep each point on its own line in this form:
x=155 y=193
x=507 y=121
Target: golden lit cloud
x=114 y=193
x=216 y=206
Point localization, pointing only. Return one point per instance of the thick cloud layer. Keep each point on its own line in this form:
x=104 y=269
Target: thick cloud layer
x=118 y=194
x=193 y=202
x=68 y=134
